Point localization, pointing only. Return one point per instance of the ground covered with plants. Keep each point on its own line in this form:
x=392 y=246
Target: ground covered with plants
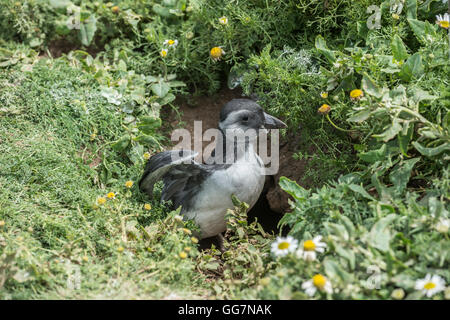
x=364 y=89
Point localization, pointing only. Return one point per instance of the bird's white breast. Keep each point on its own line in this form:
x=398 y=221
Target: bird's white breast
x=244 y=179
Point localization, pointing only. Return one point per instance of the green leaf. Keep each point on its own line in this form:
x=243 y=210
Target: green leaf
x=148 y=125
x=390 y=132
x=421 y=29
x=291 y=187
x=412 y=68
x=359 y=189
x=404 y=138
x=337 y=230
x=321 y=46
x=369 y=86
x=87 y=30
x=411 y=9
x=360 y=116
x=147 y=140
x=122 y=143
x=401 y=173
x=177 y=83
x=347 y=254
x=334 y=271
x=160 y=89
x=380 y=235
x=373 y=156
x=431 y=152
x=398 y=48
x=167 y=99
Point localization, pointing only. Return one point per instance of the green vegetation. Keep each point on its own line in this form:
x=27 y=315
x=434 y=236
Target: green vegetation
x=371 y=106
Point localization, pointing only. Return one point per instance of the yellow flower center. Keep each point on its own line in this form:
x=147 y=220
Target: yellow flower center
x=309 y=245
x=324 y=95
x=283 y=245
x=101 y=200
x=319 y=281
x=171 y=42
x=356 y=93
x=163 y=53
x=147 y=206
x=444 y=24
x=183 y=255
x=111 y=195
x=429 y=286
x=129 y=184
x=324 y=109
x=146 y=156
x=216 y=52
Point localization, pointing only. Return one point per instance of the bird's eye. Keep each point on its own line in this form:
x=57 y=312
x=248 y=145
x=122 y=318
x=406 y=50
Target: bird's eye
x=245 y=118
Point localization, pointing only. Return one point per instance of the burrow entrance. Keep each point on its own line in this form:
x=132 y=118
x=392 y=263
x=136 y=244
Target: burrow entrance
x=273 y=201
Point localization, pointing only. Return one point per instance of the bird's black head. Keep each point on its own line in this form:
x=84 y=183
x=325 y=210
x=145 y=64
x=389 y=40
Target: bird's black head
x=244 y=114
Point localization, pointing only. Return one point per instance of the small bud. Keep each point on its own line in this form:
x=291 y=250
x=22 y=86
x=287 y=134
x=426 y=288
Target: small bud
x=398 y=294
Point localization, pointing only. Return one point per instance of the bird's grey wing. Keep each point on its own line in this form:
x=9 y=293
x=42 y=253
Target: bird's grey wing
x=182 y=176
x=159 y=164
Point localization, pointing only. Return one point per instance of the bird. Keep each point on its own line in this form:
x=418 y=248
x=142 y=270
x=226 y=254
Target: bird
x=204 y=190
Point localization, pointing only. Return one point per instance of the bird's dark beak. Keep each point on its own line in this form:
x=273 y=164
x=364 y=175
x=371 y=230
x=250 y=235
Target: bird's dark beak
x=271 y=122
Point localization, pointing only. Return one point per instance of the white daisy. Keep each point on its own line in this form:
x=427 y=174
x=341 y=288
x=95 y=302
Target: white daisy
x=318 y=282
x=223 y=21
x=170 y=43
x=443 y=20
x=282 y=246
x=430 y=285
x=310 y=247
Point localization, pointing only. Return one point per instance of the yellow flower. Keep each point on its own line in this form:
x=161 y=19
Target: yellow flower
x=111 y=195
x=146 y=156
x=223 y=21
x=2 y=223
x=163 y=53
x=324 y=109
x=318 y=282
x=187 y=249
x=183 y=255
x=129 y=184
x=115 y=9
x=187 y=231
x=85 y=258
x=216 y=53
x=324 y=94
x=443 y=20
x=147 y=207
x=356 y=94
x=171 y=43
x=101 y=200
x=194 y=240
x=395 y=16
x=120 y=249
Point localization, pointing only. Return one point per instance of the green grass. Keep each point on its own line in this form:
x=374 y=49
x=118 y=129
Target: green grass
x=50 y=179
